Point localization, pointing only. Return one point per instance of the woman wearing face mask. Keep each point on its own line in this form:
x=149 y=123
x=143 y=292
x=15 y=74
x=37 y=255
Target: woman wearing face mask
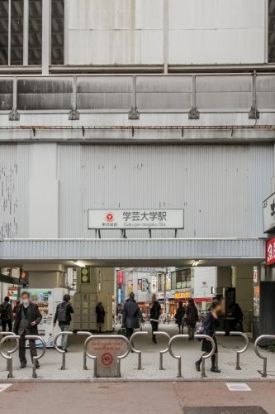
x=26 y=320
x=209 y=326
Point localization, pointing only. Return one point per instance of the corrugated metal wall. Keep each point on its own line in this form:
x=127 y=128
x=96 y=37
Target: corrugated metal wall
x=221 y=187
x=14 y=193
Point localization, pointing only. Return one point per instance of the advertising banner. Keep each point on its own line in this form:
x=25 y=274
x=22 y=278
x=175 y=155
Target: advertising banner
x=270 y=252
x=135 y=219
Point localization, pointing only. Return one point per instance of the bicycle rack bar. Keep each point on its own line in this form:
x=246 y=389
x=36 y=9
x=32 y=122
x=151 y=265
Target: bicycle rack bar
x=61 y=351
x=205 y=357
x=257 y=352
x=134 y=349
x=36 y=358
x=8 y=356
x=178 y=357
x=2 y=334
x=163 y=351
x=94 y=357
x=84 y=333
x=241 y=351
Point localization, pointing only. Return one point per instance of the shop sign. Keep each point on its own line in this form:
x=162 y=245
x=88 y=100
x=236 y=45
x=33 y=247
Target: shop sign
x=270 y=252
x=135 y=219
x=269 y=213
x=183 y=295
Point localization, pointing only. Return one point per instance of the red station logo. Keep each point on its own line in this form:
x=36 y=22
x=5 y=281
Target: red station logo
x=107 y=359
x=109 y=217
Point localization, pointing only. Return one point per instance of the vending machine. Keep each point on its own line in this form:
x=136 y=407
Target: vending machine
x=47 y=301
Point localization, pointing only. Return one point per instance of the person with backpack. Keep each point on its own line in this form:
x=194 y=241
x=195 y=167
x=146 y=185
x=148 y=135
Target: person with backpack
x=209 y=327
x=63 y=316
x=6 y=314
x=155 y=312
x=191 y=317
x=179 y=317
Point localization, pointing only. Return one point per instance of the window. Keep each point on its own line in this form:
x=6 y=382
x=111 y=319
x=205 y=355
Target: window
x=4 y=29
x=181 y=279
x=57 y=32
x=16 y=35
x=35 y=32
x=271 y=31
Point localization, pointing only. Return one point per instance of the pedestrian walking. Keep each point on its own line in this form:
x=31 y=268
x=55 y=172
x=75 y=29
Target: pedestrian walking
x=131 y=315
x=191 y=317
x=237 y=315
x=63 y=314
x=179 y=317
x=155 y=312
x=27 y=319
x=6 y=315
x=100 y=316
x=209 y=326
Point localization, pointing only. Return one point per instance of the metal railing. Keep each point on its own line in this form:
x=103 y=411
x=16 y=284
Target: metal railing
x=163 y=351
x=61 y=351
x=7 y=355
x=177 y=357
x=37 y=357
x=94 y=357
x=257 y=352
x=134 y=349
x=88 y=334
x=206 y=356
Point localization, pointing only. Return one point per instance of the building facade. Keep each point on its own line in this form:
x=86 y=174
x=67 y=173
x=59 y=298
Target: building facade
x=130 y=104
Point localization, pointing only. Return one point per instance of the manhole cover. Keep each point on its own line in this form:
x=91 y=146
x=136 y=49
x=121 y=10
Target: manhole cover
x=224 y=410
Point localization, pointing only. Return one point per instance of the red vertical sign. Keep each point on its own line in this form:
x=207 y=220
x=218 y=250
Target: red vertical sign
x=270 y=252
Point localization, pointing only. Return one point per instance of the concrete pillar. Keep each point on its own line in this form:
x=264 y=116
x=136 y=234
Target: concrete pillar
x=46 y=36
x=45 y=276
x=43 y=192
x=106 y=293
x=244 y=293
x=224 y=278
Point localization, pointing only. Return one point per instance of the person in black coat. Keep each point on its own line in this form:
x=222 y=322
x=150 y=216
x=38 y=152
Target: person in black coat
x=6 y=314
x=155 y=312
x=132 y=316
x=191 y=317
x=209 y=326
x=179 y=317
x=26 y=321
x=100 y=316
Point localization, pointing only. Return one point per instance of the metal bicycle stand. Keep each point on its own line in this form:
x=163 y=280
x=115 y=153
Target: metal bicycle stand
x=239 y=352
x=8 y=356
x=2 y=334
x=88 y=334
x=211 y=353
x=37 y=357
x=163 y=351
x=257 y=352
x=134 y=349
x=94 y=357
x=178 y=357
x=61 y=351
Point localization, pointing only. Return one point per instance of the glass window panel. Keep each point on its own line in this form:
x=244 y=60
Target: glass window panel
x=271 y=31
x=17 y=11
x=35 y=32
x=57 y=45
x=4 y=27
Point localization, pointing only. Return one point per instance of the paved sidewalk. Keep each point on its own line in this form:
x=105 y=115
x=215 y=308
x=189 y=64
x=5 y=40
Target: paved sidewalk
x=190 y=351
x=134 y=398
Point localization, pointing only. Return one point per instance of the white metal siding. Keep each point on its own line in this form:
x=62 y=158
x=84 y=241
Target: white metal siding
x=131 y=31
x=14 y=175
x=220 y=188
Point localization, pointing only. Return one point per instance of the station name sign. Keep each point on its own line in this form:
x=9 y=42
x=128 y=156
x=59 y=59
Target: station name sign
x=269 y=213
x=270 y=252
x=135 y=219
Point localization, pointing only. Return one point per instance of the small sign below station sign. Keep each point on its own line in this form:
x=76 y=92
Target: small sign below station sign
x=135 y=219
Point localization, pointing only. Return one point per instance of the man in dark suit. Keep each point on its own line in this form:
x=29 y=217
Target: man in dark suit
x=26 y=320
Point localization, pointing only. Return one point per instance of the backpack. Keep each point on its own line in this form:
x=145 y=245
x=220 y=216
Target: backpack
x=62 y=314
